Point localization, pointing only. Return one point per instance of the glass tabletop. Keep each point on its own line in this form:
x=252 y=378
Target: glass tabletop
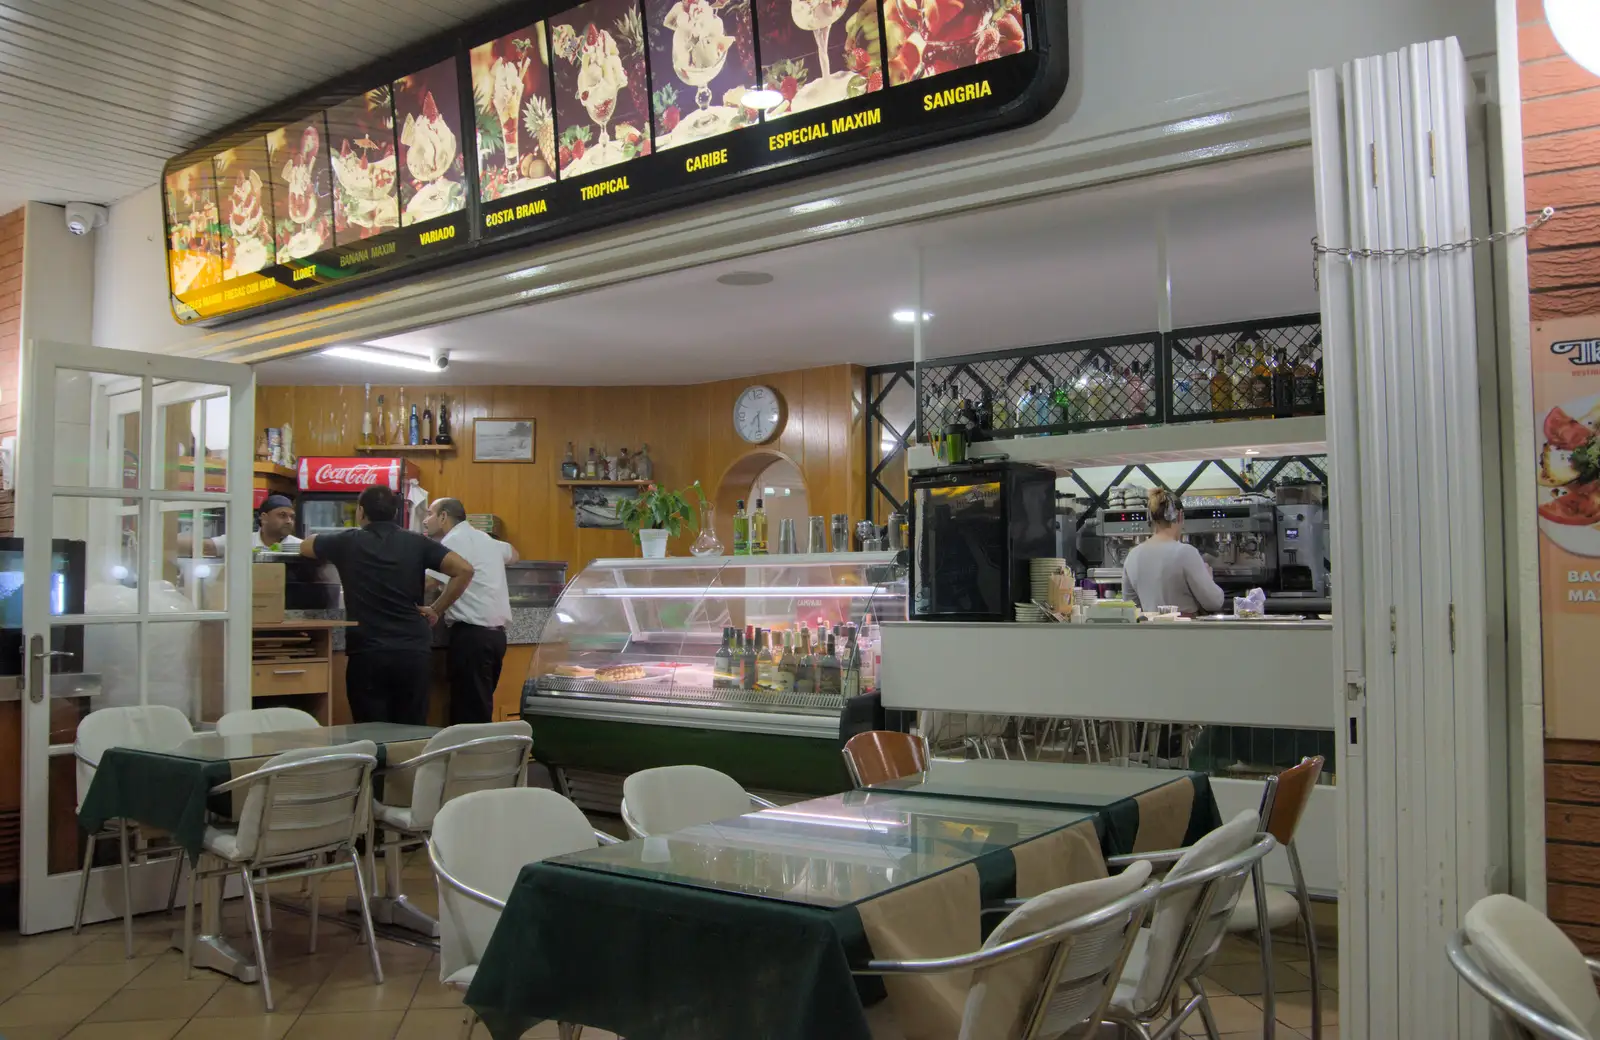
x=1040 y=783
x=214 y=747
x=829 y=851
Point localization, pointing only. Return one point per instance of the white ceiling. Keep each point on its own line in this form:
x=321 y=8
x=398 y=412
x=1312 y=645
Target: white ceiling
x=1068 y=267
x=96 y=94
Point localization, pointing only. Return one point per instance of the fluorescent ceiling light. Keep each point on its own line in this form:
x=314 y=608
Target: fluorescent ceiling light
x=647 y=592
x=1576 y=25
x=761 y=99
x=907 y=316
x=374 y=356
x=1252 y=451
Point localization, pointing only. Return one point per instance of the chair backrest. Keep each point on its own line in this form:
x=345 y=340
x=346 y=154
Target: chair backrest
x=151 y=727
x=319 y=800
x=670 y=798
x=265 y=720
x=497 y=757
x=1065 y=986
x=1287 y=798
x=880 y=755
x=1190 y=919
x=1522 y=950
x=483 y=839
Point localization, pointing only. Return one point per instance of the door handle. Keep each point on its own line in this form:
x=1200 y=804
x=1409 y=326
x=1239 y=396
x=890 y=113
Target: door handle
x=40 y=656
x=288 y=671
x=36 y=674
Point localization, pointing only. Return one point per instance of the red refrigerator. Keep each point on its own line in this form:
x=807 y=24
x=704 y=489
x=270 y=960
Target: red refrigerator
x=329 y=486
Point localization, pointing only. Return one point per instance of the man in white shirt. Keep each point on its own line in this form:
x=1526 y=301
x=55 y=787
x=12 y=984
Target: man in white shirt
x=476 y=621
x=276 y=530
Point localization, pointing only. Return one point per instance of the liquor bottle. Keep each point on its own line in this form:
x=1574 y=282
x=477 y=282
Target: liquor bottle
x=722 y=668
x=1260 y=378
x=605 y=464
x=1061 y=398
x=850 y=669
x=805 y=680
x=741 y=531
x=366 y=417
x=643 y=468
x=766 y=664
x=427 y=420
x=591 y=468
x=828 y=681
x=381 y=434
x=1221 y=385
x=414 y=427
x=758 y=530
x=1138 y=390
x=443 y=436
x=749 y=658
x=786 y=665
x=624 y=465
x=569 y=464
x=1303 y=384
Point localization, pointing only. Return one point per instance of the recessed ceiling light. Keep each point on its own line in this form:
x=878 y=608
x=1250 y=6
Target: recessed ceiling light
x=907 y=316
x=761 y=99
x=745 y=278
x=375 y=356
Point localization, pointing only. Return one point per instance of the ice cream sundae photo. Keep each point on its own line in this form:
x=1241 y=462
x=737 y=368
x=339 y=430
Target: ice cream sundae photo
x=434 y=179
x=836 y=66
x=247 y=227
x=516 y=128
x=192 y=247
x=927 y=37
x=302 y=224
x=604 y=72
x=704 y=42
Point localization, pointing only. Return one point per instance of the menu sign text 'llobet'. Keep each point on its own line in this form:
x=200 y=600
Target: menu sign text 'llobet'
x=527 y=129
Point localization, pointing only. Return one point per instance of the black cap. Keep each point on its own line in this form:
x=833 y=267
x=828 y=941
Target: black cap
x=272 y=502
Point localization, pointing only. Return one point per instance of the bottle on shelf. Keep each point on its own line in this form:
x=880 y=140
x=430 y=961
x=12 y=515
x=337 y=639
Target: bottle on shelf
x=624 y=465
x=850 y=669
x=1221 y=385
x=414 y=427
x=749 y=658
x=722 y=666
x=766 y=664
x=1303 y=384
x=1260 y=376
x=741 y=531
x=607 y=464
x=804 y=673
x=569 y=464
x=427 y=420
x=591 y=467
x=380 y=435
x=1138 y=390
x=643 y=468
x=828 y=681
x=443 y=436
x=786 y=665
x=758 y=530
x=366 y=416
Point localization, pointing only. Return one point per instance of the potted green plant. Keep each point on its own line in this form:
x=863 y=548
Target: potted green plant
x=655 y=515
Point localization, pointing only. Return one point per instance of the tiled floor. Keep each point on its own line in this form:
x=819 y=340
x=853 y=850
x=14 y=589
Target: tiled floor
x=59 y=985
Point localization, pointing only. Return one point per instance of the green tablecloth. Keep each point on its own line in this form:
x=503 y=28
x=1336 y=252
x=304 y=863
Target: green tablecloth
x=652 y=960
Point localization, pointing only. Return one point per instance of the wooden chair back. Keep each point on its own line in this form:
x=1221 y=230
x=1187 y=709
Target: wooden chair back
x=880 y=755
x=1288 y=797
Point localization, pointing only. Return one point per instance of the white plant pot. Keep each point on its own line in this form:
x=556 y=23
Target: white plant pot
x=653 y=543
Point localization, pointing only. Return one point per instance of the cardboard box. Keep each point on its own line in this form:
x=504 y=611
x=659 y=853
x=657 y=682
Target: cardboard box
x=266 y=593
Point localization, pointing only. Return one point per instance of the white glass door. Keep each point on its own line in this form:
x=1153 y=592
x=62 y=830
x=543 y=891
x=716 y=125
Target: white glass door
x=129 y=464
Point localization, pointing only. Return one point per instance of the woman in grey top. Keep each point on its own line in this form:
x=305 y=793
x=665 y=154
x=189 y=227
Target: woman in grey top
x=1166 y=571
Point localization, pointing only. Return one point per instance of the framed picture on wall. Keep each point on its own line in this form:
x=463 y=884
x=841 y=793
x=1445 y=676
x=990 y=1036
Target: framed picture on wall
x=502 y=440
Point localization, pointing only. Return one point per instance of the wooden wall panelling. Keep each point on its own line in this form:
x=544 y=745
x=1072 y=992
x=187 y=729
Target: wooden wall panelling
x=1572 y=838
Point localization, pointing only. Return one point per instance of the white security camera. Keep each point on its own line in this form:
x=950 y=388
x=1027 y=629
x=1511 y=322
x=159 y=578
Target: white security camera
x=441 y=359
x=84 y=217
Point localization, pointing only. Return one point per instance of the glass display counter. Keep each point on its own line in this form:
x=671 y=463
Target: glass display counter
x=626 y=676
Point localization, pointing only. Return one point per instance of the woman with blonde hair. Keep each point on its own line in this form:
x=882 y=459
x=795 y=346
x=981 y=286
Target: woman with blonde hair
x=1167 y=571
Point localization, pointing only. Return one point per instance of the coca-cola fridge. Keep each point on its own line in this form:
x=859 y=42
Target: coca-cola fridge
x=328 y=490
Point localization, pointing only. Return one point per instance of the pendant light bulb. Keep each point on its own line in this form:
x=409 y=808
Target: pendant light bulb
x=1576 y=25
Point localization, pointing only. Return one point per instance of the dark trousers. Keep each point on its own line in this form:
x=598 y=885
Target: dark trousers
x=475 y=657
x=389 y=686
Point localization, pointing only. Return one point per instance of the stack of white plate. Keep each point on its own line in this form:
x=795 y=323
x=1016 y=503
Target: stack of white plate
x=1040 y=572
x=1030 y=612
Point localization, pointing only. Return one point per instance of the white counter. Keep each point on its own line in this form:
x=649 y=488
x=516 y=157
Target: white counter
x=1240 y=673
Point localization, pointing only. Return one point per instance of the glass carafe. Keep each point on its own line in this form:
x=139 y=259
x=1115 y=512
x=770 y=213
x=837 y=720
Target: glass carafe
x=706 y=543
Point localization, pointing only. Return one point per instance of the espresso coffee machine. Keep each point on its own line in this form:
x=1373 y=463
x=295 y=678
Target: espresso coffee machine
x=1238 y=539
x=1303 y=549
x=973 y=530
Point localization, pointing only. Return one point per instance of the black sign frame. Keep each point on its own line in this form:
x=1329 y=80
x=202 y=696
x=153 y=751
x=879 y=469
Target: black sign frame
x=999 y=94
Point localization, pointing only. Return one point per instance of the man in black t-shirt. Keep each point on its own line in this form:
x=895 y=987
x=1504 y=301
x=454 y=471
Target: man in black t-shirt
x=384 y=569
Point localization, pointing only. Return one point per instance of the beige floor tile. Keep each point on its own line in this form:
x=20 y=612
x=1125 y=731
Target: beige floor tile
x=37 y=1009
x=179 y=1001
x=1234 y=1015
x=163 y=1029
x=79 y=978
x=45 y=1032
x=1235 y=950
x=237 y=1000
x=110 y=951
x=433 y=1024
x=247 y=1027
x=396 y=957
x=1245 y=979
x=357 y=1025
x=1295 y=1009
x=431 y=993
x=394 y=994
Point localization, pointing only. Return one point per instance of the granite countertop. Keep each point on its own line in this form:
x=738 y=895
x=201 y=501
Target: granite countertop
x=527 y=623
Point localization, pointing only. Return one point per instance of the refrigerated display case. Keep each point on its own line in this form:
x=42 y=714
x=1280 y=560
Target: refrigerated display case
x=624 y=677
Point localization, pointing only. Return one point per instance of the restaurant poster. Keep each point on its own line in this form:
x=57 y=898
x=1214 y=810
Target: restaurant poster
x=1566 y=408
x=702 y=64
x=602 y=86
x=427 y=114
x=515 y=121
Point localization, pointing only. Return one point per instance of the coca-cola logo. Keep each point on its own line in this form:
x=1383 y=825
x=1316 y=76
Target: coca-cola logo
x=367 y=474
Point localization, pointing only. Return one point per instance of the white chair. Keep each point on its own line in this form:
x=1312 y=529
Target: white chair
x=1187 y=927
x=670 y=798
x=152 y=727
x=1528 y=968
x=1048 y=969
x=303 y=811
x=265 y=720
x=457 y=760
x=480 y=843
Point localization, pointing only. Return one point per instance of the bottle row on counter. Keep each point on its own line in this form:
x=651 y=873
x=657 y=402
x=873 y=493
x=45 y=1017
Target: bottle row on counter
x=601 y=465
x=831 y=663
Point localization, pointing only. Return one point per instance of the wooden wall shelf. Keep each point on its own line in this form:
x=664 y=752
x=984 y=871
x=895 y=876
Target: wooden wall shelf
x=404 y=449
x=604 y=483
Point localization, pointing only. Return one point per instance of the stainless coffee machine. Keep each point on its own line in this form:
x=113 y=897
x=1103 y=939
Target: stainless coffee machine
x=1303 y=549
x=1237 y=537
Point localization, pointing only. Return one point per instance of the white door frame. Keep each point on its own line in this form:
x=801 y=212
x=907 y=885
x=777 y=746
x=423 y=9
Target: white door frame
x=48 y=900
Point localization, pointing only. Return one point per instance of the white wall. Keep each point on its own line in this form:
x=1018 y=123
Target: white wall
x=131 y=310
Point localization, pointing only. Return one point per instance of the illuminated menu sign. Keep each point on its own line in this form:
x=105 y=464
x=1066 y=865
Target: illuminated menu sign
x=531 y=126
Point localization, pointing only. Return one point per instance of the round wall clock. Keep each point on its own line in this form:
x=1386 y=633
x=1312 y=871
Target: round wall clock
x=758 y=414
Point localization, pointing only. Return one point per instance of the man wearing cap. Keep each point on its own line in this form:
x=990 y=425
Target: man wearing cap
x=275 y=533
x=477 y=620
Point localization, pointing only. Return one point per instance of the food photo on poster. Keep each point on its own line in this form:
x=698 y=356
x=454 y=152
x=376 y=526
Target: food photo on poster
x=427 y=110
x=366 y=200
x=302 y=213
x=245 y=227
x=602 y=86
x=702 y=65
x=516 y=127
x=193 y=249
x=929 y=37
x=817 y=52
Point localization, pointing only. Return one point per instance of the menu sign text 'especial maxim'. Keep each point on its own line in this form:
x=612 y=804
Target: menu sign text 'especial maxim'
x=533 y=125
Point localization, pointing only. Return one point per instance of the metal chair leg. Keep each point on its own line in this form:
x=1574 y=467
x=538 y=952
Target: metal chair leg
x=1304 y=899
x=1206 y=1016
x=255 y=935
x=1269 y=997
x=315 y=899
x=83 y=882
x=177 y=872
x=127 y=891
x=366 y=918
x=188 y=928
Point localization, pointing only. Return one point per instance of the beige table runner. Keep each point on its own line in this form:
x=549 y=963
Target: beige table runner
x=397 y=786
x=937 y=917
x=1064 y=857
x=1164 y=816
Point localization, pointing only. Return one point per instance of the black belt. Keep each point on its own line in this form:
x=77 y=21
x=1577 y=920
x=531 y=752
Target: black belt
x=487 y=628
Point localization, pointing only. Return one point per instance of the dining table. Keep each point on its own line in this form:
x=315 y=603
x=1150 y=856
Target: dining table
x=756 y=926
x=169 y=790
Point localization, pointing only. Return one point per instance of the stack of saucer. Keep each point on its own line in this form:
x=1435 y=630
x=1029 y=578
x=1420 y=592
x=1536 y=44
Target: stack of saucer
x=1040 y=572
x=1027 y=612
